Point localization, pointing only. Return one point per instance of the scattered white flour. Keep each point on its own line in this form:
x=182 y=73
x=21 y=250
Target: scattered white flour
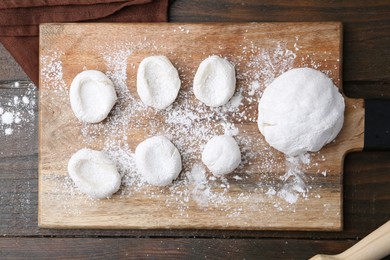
x=197 y=178
x=293 y=181
x=255 y=85
x=230 y=129
x=7 y=118
x=17 y=111
x=235 y=101
x=8 y=131
x=51 y=73
x=189 y=124
x=25 y=100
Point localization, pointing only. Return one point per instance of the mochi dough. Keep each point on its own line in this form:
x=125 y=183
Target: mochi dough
x=221 y=155
x=92 y=96
x=301 y=111
x=94 y=173
x=158 y=82
x=215 y=81
x=158 y=161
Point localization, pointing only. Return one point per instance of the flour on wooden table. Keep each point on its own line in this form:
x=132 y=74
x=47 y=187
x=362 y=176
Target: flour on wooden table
x=189 y=124
x=17 y=111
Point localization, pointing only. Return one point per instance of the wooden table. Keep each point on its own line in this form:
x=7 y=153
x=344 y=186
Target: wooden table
x=366 y=74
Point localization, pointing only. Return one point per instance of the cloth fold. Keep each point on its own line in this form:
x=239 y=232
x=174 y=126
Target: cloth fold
x=8 y=4
x=20 y=19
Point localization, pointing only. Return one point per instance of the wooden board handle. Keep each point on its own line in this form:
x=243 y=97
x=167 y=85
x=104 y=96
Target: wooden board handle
x=377 y=124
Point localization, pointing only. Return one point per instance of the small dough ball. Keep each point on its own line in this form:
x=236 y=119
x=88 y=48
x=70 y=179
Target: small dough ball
x=301 y=111
x=94 y=173
x=221 y=155
x=215 y=81
x=92 y=96
x=158 y=82
x=158 y=161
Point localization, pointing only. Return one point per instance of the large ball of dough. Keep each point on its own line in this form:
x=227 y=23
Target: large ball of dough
x=215 y=81
x=158 y=82
x=301 y=111
x=158 y=161
x=221 y=155
x=92 y=96
x=94 y=173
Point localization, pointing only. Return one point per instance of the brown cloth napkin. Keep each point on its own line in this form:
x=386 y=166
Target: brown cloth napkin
x=20 y=19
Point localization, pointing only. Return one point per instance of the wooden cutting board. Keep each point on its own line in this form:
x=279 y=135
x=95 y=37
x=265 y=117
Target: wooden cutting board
x=258 y=195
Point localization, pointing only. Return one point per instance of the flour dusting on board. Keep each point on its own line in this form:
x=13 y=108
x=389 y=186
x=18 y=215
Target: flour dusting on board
x=189 y=124
x=293 y=181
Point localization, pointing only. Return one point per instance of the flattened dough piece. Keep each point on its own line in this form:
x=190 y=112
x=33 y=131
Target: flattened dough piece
x=301 y=111
x=158 y=82
x=92 y=96
x=94 y=173
x=215 y=81
x=221 y=155
x=158 y=161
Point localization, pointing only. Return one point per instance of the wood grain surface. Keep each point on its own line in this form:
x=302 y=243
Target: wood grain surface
x=173 y=248
x=366 y=194
x=80 y=46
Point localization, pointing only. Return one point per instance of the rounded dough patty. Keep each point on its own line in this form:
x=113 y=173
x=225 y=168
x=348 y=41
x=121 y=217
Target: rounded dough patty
x=158 y=161
x=92 y=96
x=215 y=81
x=158 y=82
x=94 y=173
x=221 y=155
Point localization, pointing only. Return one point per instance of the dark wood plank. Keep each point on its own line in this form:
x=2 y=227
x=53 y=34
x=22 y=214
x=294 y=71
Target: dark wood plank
x=133 y=248
x=18 y=162
x=367 y=90
x=366 y=26
x=9 y=69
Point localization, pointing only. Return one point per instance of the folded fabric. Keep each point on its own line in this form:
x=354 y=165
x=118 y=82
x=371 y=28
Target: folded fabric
x=24 y=21
x=19 y=27
x=34 y=3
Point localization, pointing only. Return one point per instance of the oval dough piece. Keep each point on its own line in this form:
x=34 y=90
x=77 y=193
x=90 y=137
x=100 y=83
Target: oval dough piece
x=301 y=111
x=221 y=155
x=158 y=82
x=94 y=173
x=92 y=96
x=215 y=81
x=158 y=161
